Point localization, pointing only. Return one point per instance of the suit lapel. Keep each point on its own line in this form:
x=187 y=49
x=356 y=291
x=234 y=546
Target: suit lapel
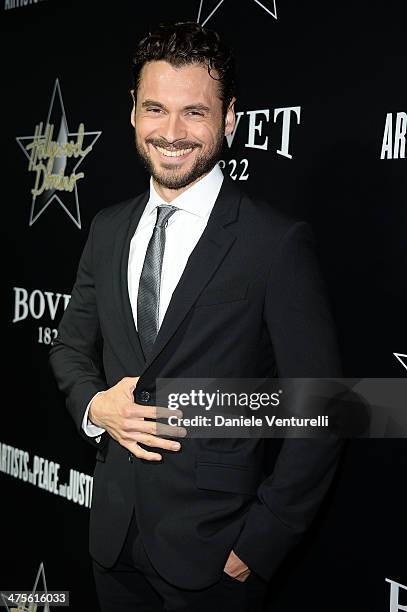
x=202 y=264
x=123 y=238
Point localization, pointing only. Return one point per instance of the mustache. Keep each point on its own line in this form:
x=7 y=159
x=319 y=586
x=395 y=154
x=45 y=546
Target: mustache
x=176 y=146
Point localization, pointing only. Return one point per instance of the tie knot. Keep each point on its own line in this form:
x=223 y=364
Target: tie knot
x=163 y=214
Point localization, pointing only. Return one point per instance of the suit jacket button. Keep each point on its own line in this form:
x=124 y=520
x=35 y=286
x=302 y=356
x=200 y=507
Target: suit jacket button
x=144 y=396
x=130 y=458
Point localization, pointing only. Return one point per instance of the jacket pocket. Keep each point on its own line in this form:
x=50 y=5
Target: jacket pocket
x=222 y=296
x=226 y=477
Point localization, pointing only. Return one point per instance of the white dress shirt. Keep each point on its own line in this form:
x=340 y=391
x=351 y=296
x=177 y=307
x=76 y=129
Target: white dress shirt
x=182 y=233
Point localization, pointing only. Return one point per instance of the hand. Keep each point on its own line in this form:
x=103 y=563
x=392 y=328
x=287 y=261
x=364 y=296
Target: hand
x=236 y=568
x=116 y=411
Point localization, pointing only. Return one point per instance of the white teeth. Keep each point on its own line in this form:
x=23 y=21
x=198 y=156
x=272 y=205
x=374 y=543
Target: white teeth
x=168 y=153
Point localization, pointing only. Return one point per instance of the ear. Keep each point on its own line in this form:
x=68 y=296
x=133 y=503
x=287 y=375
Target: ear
x=133 y=110
x=230 y=120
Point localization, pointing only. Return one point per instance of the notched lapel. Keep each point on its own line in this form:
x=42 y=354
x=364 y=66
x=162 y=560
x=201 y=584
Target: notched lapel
x=123 y=238
x=202 y=264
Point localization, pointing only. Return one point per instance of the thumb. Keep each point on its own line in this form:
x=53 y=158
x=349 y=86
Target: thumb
x=133 y=383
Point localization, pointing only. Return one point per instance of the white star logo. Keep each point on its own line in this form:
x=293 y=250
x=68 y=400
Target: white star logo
x=402 y=359
x=27 y=606
x=50 y=151
x=204 y=15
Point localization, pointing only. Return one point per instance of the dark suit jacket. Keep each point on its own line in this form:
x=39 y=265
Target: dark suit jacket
x=249 y=301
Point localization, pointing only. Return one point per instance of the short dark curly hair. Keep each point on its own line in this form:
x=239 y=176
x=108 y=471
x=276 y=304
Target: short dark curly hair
x=185 y=43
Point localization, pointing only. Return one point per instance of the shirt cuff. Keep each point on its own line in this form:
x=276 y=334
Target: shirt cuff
x=88 y=427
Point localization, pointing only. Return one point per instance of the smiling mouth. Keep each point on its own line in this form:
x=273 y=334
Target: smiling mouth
x=173 y=153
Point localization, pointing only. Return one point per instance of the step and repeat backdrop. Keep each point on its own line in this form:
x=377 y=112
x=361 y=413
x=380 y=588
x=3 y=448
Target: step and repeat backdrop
x=321 y=133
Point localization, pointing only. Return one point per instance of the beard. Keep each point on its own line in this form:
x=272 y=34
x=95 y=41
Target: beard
x=172 y=176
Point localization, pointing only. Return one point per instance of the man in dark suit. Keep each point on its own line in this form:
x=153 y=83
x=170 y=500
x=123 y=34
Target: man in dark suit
x=191 y=279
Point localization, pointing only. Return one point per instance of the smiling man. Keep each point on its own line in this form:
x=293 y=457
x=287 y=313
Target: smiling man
x=191 y=279
x=179 y=124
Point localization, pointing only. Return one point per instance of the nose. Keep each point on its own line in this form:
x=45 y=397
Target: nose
x=173 y=128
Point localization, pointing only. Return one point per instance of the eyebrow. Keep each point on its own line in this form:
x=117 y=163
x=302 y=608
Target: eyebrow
x=197 y=106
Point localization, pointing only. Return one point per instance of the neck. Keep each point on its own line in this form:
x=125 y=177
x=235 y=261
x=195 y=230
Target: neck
x=170 y=194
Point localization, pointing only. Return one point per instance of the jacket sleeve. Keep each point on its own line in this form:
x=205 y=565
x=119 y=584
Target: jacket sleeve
x=75 y=356
x=301 y=329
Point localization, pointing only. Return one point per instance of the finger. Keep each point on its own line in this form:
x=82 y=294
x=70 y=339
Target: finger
x=157 y=429
x=166 y=413
x=174 y=431
x=155 y=412
x=141 y=453
x=155 y=442
x=130 y=383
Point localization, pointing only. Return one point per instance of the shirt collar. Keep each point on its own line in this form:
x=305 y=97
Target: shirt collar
x=197 y=200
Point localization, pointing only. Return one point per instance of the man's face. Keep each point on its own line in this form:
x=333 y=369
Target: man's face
x=179 y=123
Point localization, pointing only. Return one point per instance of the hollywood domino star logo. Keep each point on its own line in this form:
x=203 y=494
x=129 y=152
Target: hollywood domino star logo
x=205 y=13
x=36 y=595
x=54 y=155
x=402 y=359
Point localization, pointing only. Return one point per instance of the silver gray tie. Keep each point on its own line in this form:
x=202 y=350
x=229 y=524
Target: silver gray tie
x=148 y=297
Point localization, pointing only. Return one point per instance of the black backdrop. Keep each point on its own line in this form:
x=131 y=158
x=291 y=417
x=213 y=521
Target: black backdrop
x=340 y=67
